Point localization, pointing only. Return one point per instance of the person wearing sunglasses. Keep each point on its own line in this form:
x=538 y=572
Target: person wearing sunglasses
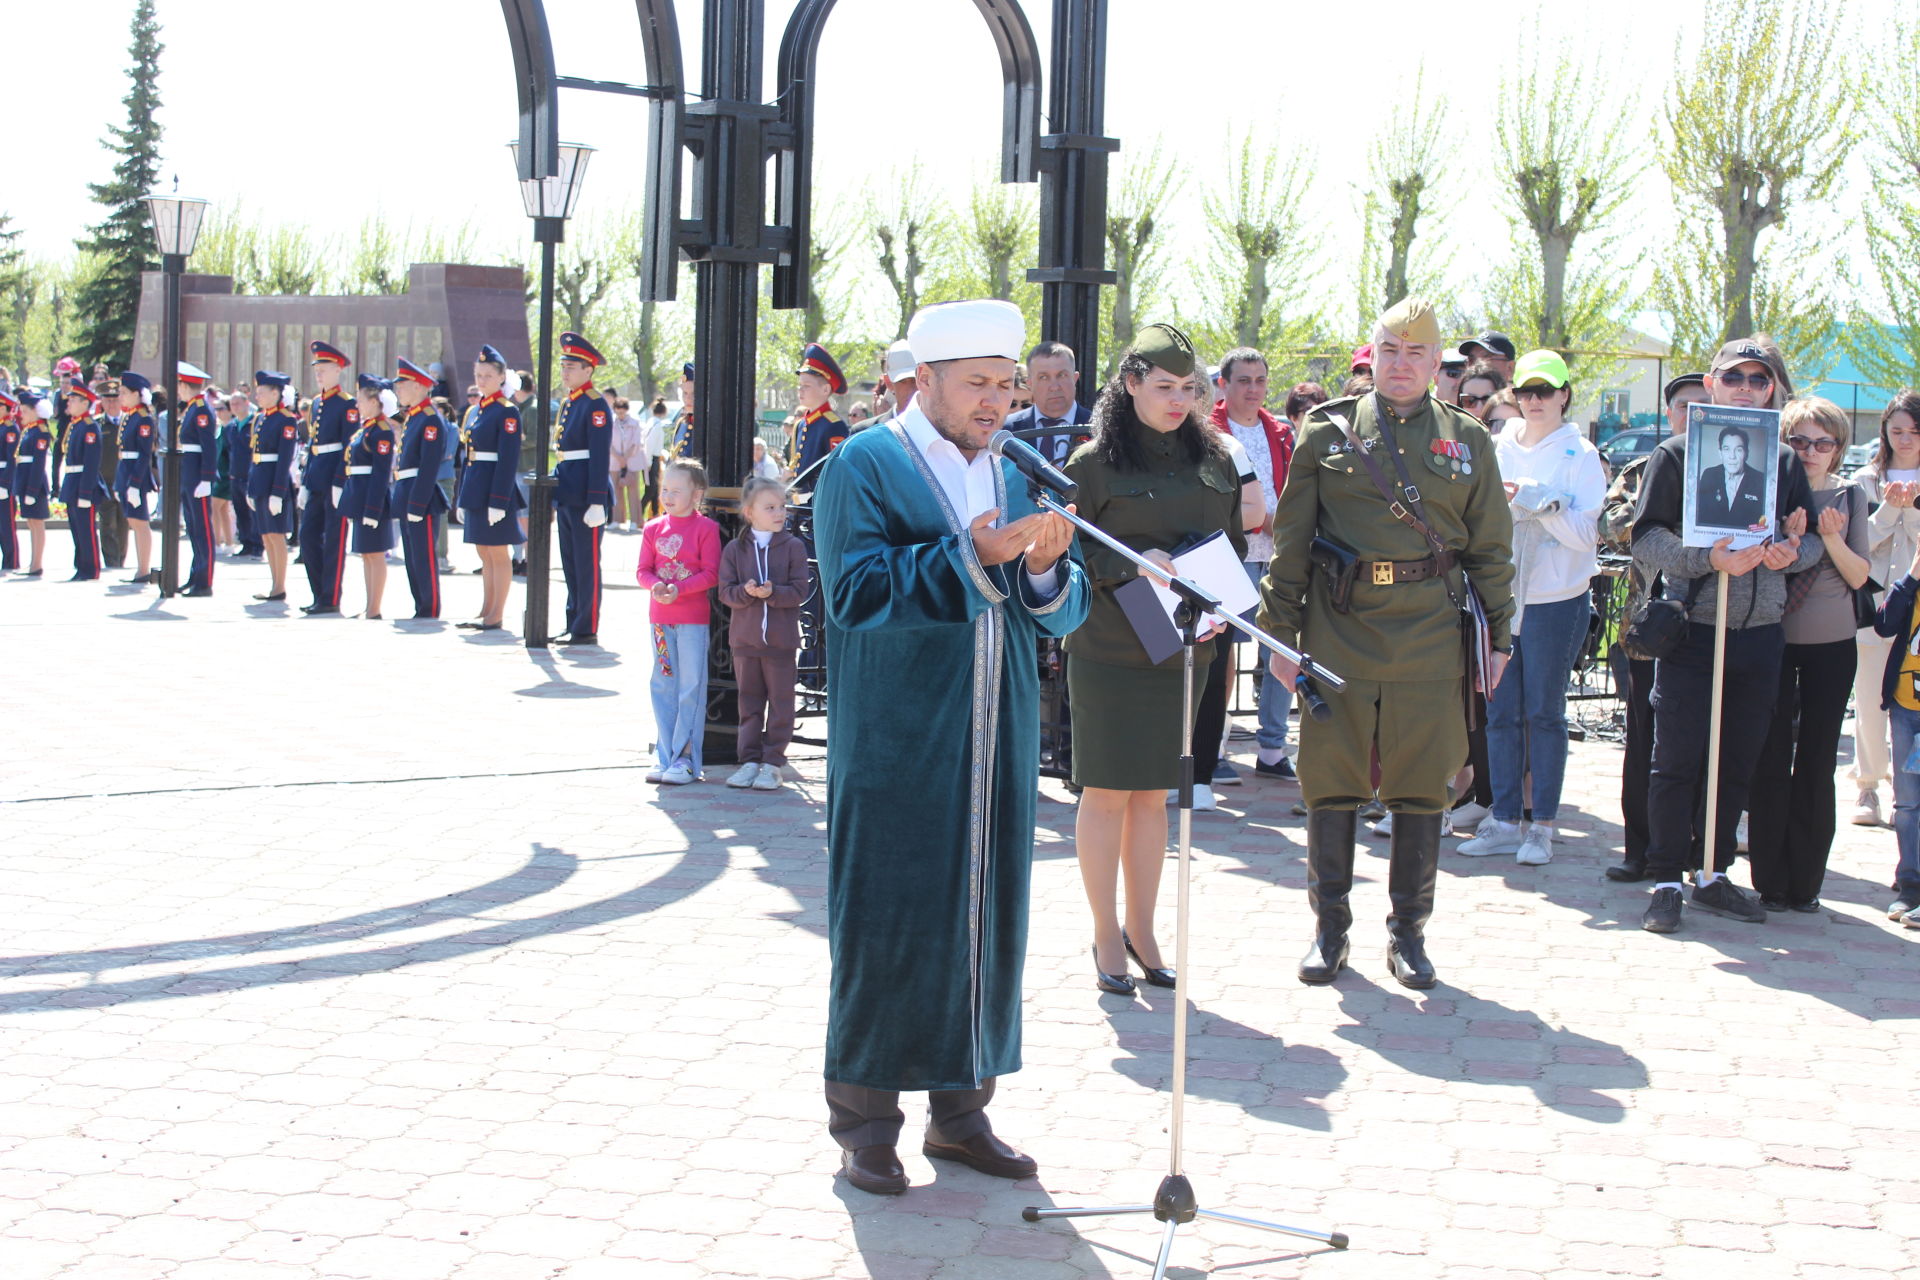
x=1748 y=373
x=1479 y=384
x=1446 y=383
x=1792 y=804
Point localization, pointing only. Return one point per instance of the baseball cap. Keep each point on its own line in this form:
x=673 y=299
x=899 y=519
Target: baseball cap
x=1541 y=366
x=1492 y=341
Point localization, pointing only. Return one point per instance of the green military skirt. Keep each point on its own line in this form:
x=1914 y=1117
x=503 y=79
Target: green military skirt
x=1126 y=722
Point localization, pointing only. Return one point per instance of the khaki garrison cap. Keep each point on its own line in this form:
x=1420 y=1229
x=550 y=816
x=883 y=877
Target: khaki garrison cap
x=1412 y=320
x=1165 y=347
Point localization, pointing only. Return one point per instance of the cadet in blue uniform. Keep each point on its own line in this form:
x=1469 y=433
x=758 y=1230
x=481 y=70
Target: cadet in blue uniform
x=276 y=430
x=80 y=486
x=133 y=480
x=198 y=458
x=417 y=500
x=490 y=489
x=9 y=445
x=365 y=507
x=28 y=478
x=820 y=427
x=333 y=418
x=236 y=445
x=581 y=486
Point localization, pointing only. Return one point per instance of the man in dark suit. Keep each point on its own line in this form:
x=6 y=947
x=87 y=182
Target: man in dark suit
x=1740 y=504
x=1053 y=377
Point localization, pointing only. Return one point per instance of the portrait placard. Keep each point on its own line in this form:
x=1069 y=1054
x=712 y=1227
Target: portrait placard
x=1733 y=472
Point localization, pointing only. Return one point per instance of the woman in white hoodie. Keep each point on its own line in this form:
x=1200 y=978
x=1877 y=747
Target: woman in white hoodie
x=1555 y=486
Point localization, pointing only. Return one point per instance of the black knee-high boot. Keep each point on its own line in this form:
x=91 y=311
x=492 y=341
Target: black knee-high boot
x=1329 y=881
x=1410 y=878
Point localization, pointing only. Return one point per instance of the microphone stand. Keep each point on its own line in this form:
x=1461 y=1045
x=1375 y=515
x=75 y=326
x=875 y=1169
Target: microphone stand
x=1174 y=1202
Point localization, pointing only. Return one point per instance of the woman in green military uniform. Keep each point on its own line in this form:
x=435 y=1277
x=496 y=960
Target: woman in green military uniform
x=1158 y=479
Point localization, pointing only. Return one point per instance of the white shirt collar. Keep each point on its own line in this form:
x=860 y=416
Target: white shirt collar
x=969 y=486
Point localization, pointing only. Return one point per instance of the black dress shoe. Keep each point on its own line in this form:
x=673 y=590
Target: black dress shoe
x=519 y=568
x=1407 y=959
x=589 y=638
x=1155 y=977
x=278 y=595
x=491 y=626
x=319 y=610
x=1627 y=872
x=1115 y=984
x=31 y=573
x=79 y=577
x=984 y=1152
x=875 y=1170
x=1772 y=903
x=1810 y=907
x=371 y=617
x=197 y=591
x=467 y=626
x=1324 y=959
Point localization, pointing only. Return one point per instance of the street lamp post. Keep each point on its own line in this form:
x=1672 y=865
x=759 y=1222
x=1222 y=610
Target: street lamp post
x=549 y=203
x=176 y=225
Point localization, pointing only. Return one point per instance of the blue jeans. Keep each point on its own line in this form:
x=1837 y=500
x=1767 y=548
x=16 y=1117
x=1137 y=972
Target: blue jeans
x=1906 y=802
x=680 y=698
x=1527 y=714
x=1275 y=699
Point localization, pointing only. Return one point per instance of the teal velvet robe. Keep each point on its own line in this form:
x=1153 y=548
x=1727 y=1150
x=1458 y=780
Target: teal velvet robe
x=933 y=739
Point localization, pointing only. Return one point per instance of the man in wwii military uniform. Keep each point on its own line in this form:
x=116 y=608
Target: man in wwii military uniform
x=1392 y=508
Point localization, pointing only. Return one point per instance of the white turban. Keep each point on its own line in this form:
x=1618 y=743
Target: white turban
x=987 y=327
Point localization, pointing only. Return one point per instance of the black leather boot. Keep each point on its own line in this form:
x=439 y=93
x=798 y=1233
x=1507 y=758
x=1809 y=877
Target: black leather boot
x=1410 y=876
x=1329 y=881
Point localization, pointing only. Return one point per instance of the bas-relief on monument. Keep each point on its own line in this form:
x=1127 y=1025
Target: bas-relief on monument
x=448 y=310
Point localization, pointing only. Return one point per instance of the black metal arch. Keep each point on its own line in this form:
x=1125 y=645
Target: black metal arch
x=536 y=85
x=1020 y=71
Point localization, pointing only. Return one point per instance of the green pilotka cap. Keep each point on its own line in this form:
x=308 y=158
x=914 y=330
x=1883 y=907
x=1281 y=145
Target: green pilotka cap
x=1165 y=347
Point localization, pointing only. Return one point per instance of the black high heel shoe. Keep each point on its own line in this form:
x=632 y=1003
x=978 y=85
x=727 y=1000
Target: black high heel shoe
x=1155 y=977
x=1114 y=984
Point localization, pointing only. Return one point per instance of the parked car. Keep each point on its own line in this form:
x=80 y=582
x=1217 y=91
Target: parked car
x=1857 y=456
x=1636 y=442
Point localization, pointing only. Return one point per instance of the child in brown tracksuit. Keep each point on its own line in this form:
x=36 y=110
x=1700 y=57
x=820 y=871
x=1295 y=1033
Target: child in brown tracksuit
x=763 y=579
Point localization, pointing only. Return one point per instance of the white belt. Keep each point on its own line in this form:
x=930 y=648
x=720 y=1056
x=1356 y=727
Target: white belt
x=575 y=455
x=328 y=448
x=407 y=474
x=481 y=455
x=266 y=457
x=359 y=471
x=190 y=448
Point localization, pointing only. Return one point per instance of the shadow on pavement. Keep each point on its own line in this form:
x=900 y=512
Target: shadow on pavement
x=1228 y=1061
x=962 y=1213
x=557 y=685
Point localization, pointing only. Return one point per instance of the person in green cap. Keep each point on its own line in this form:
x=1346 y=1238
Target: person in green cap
x=1392 y=508
x=1555 y=489
x=1157 y=477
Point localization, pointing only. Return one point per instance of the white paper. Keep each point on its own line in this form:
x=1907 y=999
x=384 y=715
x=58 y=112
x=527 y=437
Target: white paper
x=1213 y=564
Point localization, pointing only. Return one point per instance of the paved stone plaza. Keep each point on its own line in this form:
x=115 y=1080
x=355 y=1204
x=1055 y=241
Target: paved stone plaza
x=339 y=948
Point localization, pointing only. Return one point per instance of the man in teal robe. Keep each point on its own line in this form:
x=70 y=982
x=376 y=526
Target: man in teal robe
x=938 y=575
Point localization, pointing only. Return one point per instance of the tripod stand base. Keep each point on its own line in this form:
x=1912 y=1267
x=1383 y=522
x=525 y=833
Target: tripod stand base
x=1174 y=1204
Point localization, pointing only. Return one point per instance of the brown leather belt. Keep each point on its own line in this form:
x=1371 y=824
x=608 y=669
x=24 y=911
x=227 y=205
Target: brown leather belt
x=1385 y=573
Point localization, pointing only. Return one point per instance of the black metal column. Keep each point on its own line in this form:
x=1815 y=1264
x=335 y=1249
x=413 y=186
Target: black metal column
x=172 y=264
x=548 y=231
x=1073 y=182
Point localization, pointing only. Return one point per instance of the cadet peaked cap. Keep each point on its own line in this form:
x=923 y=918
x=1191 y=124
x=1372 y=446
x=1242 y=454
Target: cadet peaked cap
x=1492 y=341
x=78 y=388
x=575 y=347
x=1165 y=347
x=411 y=372
x=900 y=361
x=271 y=378
x=327 y=353
x=490 y=354
x=8 y=400
x=982 y=329
x=1541 y=366
x=817 y=359
x=188 y=372
x=1413 y=320
x=686 y=370
x=374 y=382
x=135 y=382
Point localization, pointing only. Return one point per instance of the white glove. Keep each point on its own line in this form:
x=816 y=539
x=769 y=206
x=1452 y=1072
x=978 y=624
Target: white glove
x=413 y=519
x=370 y=522
x=273 y=505
x=86 y=502
x=496 y=514
x=337 y=491
x=596 y=516
x=204 y=489
x=133 y=498
x=4 y=494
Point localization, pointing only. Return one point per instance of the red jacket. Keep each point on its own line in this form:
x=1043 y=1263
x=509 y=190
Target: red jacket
x=1279 y=442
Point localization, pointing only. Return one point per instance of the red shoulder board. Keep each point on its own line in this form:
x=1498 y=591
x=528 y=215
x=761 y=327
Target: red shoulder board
x=599 y=418
x=431 y=433
x=353 y=415
x=384 y=446
x=288 y=431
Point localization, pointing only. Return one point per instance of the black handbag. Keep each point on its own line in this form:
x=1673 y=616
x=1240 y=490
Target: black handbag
x=1660 y=624
x=1865 y=612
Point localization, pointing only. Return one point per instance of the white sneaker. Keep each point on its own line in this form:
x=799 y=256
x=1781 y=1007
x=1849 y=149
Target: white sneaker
x=1382 y=828
x=1202 y=798
x=1536 y=848
x=768 y=778
x=1469 y=816
x=745 y=775
x=676 y=774
x=1494 y=836
x=1866 y=810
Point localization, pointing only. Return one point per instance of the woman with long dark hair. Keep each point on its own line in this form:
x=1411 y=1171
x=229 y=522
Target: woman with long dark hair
x=1891 y=483
x=1157 y=478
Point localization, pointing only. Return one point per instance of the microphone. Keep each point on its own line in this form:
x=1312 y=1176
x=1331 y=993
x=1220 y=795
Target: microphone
x=1316 y=705
x=1032 y=464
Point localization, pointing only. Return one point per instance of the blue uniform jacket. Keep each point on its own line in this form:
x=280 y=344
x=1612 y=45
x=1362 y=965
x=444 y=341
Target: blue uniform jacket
x=818 y=434
x=80 y=468
x=136 y=454
x=423 y=444
x=493 y=481
x=274 y=435
x=30 y=463
x=9 y=444
x=586 y=431
x=236 y=441
x=197 y=459
x=365 y=496
x=335 y=418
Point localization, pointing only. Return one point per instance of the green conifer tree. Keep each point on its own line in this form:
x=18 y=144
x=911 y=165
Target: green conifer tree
x=110 y=301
